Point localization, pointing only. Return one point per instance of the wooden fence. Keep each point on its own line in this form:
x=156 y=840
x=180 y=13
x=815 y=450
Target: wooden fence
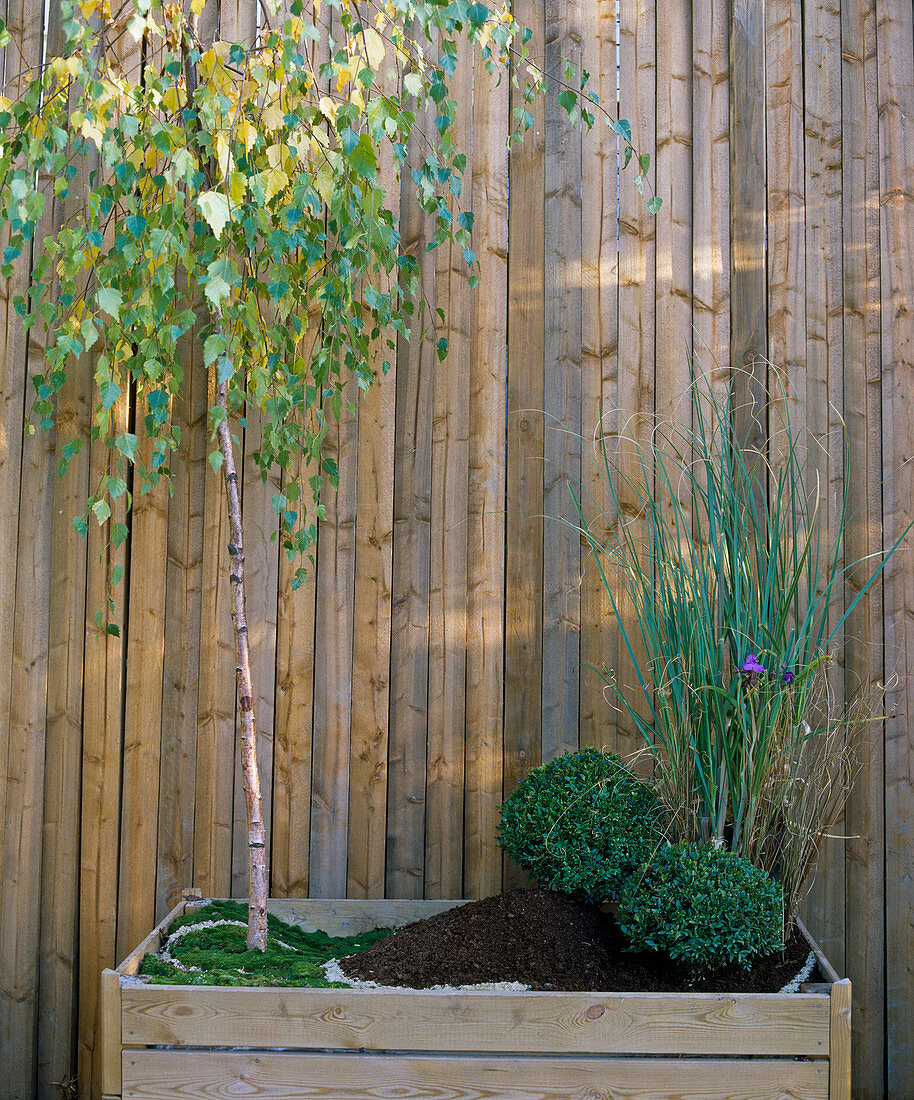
x=441 y=647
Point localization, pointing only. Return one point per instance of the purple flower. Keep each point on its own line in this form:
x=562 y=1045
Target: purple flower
x=752 y=666
x=788 y=676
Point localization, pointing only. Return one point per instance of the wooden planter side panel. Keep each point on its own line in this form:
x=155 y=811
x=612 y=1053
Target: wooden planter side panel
x=164 y=1075
x=529 y=1023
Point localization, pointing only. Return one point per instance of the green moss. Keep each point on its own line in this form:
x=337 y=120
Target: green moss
x=222 y=957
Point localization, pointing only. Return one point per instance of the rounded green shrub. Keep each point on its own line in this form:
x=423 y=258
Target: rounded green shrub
x=581 y=823
x=703 y=905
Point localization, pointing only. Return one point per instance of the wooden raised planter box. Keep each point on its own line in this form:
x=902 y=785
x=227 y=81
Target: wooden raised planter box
x=161 y=1041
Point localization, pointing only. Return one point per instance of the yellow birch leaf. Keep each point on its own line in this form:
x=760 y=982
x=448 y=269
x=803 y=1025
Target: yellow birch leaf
x=63 y=67
x=170 y=99
x=274 y=181
x=246 y=134
x=328 y=107
x=238 y=186
x=272 y=117
x=88 y=130
x=323 y=181
x=370 y=42
x=151 y=157
x=299 y=145
x=276 y=155
x=208 y=63
x=342 y=79
x=197 y=6
x=223 y=154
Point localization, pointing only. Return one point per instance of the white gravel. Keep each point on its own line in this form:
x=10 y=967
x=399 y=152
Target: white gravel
x=335 y=974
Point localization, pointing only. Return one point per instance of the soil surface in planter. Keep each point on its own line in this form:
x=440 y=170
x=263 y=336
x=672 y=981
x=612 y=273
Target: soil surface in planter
x=550 y=941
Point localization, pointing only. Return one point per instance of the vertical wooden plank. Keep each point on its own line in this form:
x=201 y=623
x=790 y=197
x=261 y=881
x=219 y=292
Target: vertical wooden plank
x=333 y=662
x=864 y=827
x=20 y=867
x=295 y=650
x=486 y=503
x=367 y=839
x=143 y=710
x=599 y=363
x=371 y=644
x=59 y=909
x=561 y=393
x=895 y=45
x=102 y=742
x=25 y=27
x=333 y=650
x=673 y=174
x=416 y=369
x=637 y=317
x=23 y=743
x=20 y=792
x=839 y=1041
x=447 y=644
x=104 y=683
x=524 y=470
x=59 y=924
x=181 y=672
x=824 y=379
x=295 y=643
x=748 y=273
x=785 y=162
x=711 y=185
x=145 y=662
x=213 y=793
x=673 y=260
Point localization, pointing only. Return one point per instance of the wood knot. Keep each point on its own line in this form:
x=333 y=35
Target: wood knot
x=595 y=1012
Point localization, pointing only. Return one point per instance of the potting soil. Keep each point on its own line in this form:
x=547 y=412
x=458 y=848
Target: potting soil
x=549 y=941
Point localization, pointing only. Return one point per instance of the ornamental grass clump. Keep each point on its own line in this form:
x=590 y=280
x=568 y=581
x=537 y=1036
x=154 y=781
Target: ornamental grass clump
x=581 y=824
x=702 y=905
x=727 y=586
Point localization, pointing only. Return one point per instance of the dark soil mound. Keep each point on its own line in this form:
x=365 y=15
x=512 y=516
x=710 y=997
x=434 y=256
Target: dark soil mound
x=548 y=941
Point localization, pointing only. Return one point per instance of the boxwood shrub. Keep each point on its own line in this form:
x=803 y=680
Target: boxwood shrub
x=581 y=823
x=703 y=905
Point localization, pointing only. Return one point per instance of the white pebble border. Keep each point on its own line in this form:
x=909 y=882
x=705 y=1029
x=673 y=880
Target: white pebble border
x=334 y=973
x=808 y=967
x=186 y=929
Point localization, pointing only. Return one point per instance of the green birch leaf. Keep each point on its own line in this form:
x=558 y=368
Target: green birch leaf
x=110 y=300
